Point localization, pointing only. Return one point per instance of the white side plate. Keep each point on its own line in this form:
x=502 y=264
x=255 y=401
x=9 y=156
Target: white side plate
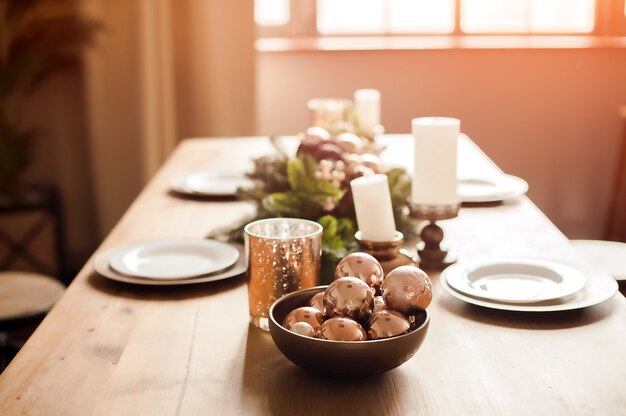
x=515 y=280
x=101 y=266
x=173 y=259
x=210 y=183
x=491 y=189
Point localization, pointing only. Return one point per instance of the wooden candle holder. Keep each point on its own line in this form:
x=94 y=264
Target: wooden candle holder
x=431 y=255
x=389 y=254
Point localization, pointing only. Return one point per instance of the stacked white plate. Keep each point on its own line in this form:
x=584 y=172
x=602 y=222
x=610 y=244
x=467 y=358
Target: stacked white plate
x=210 y=183
x=524 y=284
x=172 y=262
x=492 y=189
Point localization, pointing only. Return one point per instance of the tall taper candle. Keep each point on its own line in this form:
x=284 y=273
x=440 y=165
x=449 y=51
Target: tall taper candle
x=367 y=108
x=434 y=176
x=372 y=203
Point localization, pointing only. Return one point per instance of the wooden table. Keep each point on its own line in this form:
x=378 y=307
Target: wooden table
x=114 y=349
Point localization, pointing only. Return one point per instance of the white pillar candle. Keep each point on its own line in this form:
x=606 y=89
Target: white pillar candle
x=372 y=203
x=434 y=176
x=367 y=109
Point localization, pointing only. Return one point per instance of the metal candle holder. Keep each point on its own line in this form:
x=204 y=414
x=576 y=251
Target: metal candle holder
x=431 y=255
x=388 y=253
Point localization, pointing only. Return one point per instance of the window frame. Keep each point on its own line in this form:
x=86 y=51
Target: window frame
x=610 y=20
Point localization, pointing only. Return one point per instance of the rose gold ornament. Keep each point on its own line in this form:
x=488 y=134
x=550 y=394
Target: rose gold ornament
x=349 y=297
x=407 y=289
x=306 y=314
x=386 y=323
x=318 y=132
x=379 y=304
x=372 y=162
x=303 y=328
x=350 y=143
x=361 y=265
x=342 y=329
x=317 y=302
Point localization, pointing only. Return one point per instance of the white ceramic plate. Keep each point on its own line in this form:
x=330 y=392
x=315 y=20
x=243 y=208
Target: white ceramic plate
x=608 y=256
x=491 y=189
x=210 y=183
x=515 y=280
x=173 y=259
x=600 y=287
x=101 y=266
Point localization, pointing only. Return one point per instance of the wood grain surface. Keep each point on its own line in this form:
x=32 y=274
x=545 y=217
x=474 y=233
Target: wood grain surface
x=115 y=349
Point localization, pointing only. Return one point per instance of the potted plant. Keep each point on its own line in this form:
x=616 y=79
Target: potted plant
x=38 y=38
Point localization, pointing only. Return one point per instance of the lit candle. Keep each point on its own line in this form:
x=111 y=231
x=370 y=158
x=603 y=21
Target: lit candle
x=367 y=108
x=434 y=176
x=372 y=203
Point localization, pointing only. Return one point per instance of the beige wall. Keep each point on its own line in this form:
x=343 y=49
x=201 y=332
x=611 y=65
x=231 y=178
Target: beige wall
x=549 y=116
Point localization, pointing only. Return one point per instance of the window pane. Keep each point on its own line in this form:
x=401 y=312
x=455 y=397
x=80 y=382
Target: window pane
x=350 y=16
x=421 y=16
x=562 y=15
x=271 y=12
x=494 y=16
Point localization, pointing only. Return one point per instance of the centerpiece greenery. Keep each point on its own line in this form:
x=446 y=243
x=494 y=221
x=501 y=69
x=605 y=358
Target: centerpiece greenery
x=315 y=185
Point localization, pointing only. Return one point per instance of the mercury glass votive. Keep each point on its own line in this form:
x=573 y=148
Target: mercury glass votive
x=283 y=255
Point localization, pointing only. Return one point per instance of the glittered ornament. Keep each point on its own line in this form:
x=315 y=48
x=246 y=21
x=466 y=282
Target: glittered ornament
x=317 y=301
x=387 y=323
x=303 y=328
x=363 y=266
x=349 y=297
x=407 y=289
x=379 y=304
x=307 y=314
x=342 y=329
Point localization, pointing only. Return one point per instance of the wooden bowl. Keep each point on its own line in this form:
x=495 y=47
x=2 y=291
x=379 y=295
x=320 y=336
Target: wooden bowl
x=341 y=358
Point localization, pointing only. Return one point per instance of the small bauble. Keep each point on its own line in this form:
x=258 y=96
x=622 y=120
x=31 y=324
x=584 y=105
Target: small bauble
x=386 y=323
x=350 y=143
x=317 y=301
x=372 y=162
x=361 y=265
x=342 y=329
x=349 y=297
x=303 y=328
x=407 y=289
x=306 y=314
x=318 y=132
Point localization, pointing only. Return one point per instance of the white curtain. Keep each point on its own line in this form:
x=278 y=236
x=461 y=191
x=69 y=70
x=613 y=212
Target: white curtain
x=163 y=70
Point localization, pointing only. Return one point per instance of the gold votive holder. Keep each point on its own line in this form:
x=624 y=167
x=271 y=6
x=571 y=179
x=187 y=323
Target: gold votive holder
x=283 y=255
x=431 y=256
x=389 y=254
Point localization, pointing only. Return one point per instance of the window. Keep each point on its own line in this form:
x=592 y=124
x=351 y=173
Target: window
x=271 y=12
x=527 y=16
x=436 y=17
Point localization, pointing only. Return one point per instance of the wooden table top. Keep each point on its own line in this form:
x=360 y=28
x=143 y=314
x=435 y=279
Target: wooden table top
x=115 y=349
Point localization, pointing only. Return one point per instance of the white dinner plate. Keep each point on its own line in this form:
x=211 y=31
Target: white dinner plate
x=210 y=183
x=599 y=288
x=173 y=259
x=515 y=280
x=492 y=189
x=102 y=267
